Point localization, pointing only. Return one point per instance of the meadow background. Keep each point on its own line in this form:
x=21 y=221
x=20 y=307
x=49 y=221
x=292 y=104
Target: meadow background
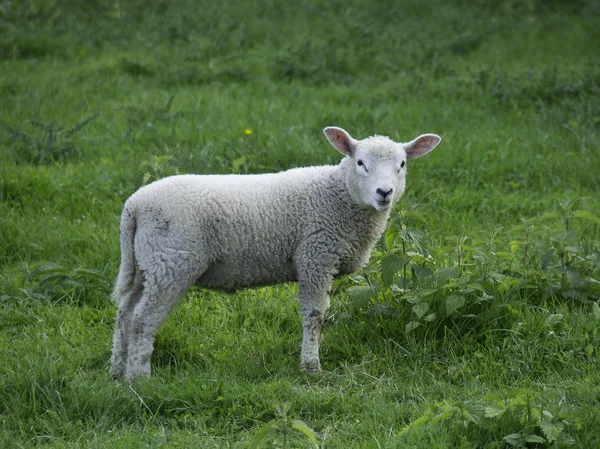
x=476 y=323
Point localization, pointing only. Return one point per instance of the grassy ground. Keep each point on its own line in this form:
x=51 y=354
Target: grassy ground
x=476 y=324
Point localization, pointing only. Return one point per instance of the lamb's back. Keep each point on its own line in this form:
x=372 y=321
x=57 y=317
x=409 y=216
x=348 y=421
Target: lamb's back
x=248 y=226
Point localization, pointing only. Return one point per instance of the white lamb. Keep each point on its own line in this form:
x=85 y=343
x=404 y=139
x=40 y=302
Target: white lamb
x=229 y=232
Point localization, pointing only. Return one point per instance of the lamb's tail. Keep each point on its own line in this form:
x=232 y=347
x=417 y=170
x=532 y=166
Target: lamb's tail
x=129 y=275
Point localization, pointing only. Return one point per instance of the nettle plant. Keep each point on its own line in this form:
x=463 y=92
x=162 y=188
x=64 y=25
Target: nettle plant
x=46 y=143
x=514 y=419
x=572 y=263
x=468 y=279
x=284 y=432
x=159 y=166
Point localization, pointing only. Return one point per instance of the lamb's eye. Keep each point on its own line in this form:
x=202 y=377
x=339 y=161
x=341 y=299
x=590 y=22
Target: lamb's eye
x=360 y=163
x=402 y=164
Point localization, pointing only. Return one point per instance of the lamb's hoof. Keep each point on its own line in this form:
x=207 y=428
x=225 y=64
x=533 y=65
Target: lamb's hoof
x=137 y=372
x=117 y=372
x=311 y=366
x=117 y=376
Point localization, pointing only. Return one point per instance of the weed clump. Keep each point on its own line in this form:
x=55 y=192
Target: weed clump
x=46 y=142
x=469 y=283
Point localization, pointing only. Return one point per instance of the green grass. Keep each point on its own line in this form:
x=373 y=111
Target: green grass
x=476 y=323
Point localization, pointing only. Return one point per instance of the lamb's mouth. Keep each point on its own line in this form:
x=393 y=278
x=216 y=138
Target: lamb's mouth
x=383 y=204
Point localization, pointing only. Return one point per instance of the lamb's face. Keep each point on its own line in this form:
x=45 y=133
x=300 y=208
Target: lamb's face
x=378 y=175
x=376 y=166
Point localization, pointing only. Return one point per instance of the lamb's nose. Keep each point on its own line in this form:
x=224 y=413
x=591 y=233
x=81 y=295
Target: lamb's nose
x=383 y=193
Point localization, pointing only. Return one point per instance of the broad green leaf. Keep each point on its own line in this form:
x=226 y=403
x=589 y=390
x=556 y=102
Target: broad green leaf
x=412 y=235
x=551 y=430
x=357 y=278
x=514 y=439
x=163 y=159
x=422 y=272
x=476 y=286
x=238 y=163
x=417 y=258
x=535 y=439
x=587 y=215
x=412 y=298
x=411 y=326
x=420 y=422
x=282 y=408
x=420 y=309
x=391 y=235
x=547 y=414
x=515 y=245
x=453 y=303
x=551 y=320
x=476 y=413
x=390 y=265
x=444 y=416
x=493 y=397
x=491 y=411
x=261 y=434
x=518 y=393
x=596 y=310
x=307 y=431
x=361 y=295
x=429 y=292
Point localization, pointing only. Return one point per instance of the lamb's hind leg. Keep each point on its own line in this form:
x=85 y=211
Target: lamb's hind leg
x=162 y=290
x=127 y=297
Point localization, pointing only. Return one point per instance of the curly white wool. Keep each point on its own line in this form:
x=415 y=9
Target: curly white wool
x=234 y=231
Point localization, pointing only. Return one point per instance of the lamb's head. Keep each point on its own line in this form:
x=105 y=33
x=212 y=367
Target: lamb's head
x=376 y=166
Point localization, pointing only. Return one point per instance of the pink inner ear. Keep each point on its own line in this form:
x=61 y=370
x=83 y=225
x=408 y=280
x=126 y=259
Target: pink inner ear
x=427 y=142
x=340 y=140
x=421 y=146
x=338 y=137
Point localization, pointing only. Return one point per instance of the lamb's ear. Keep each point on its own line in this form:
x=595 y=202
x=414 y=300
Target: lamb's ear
x=341 y=140
x=421 y=145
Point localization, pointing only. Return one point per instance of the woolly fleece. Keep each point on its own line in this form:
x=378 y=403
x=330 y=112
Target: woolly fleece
x=229 y=232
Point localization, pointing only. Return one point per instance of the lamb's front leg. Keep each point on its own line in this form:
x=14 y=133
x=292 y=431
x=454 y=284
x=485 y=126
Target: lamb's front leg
x=314 y=305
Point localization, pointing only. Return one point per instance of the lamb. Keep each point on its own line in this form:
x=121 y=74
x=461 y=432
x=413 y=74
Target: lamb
x=229 y=232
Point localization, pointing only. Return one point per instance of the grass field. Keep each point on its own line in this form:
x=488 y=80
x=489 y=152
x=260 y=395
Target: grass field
x=476 y=323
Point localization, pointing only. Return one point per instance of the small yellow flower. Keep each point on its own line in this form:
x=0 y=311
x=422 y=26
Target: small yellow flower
x=248 y=132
